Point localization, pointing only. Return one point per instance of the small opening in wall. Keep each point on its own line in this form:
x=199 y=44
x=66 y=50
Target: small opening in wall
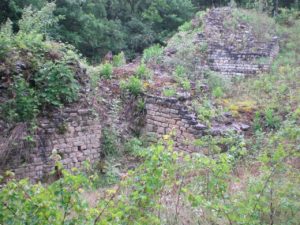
x=79 y=148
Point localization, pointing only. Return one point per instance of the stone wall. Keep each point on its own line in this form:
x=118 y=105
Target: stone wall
x=236 y=50
x=74 y=132
x=227 y=62
x=173 y=116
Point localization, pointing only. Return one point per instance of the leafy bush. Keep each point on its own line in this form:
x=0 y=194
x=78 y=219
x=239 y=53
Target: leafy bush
x=36 y=77
x=24 y=106
x=272 y=121
x=203 y=48
x=187 y=26
x=218 y=92
x=106 y=71
x=186 y=84
x=6 y=35
x=119 y=60
x=180 y=71
x=143 y=72
x=152 y=54
x=56 y=85
x=50 y=204
x=135 y=147
x=214 y=81
x=198 y=182
x=134 y=85
x=287 y=16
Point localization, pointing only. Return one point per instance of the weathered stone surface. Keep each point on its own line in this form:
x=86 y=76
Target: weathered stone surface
x=75 y=143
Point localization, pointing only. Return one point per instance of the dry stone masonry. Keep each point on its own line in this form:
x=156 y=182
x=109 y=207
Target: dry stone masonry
x=172 y=116
x=225 y=41
x=75 y=133
x=233 y=47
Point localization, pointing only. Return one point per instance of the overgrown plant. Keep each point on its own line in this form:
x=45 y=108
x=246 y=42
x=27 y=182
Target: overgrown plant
x=106 y=71
x=152 y=54
x=119 y=60
x=133 y=85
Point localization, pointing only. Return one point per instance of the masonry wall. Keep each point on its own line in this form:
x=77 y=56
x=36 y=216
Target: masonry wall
x=167 y=116
x=238 y=50
x=227 y=61
x=74 y=132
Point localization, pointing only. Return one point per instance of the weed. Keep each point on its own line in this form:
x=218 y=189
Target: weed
x=109 y=142
x=272 y=121
x=142 y=72
x=119 y=60
x=218 y=92
x=187 y=26
x=134 y=85
x=169 y=92
x=152 y=54
x=106 y=71
x=180 y=71
x=134 y=147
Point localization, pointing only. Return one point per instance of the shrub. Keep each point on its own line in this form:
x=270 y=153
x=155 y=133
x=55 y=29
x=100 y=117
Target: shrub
x=109 y=142
x=287 y=16
x=24 y=106
x=217 y=92
x=187 y=26
x=180 y=71
x=119 y=60
x=56 y=84
x=43 y=81
x=134 y=146
x=143 y=72
x=134 y=85
x=186 y=84
x=272 y=121
x=6 y=35
x=214 y=80
x=152 y=54
x=106 y=71
x=141 y=105
x=257 y=122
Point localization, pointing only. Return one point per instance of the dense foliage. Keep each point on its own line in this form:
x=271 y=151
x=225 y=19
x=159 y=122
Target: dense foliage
x=98 y=26
x=236 y=179
x=35 y=72
x=172 y=188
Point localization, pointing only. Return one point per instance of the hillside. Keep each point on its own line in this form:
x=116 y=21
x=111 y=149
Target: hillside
x=202 y=130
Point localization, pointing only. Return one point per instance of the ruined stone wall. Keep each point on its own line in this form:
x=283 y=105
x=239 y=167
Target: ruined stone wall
x=235 y=51
x=173 y=116
x=74 y=132
x=223 y=60
x=167 y=116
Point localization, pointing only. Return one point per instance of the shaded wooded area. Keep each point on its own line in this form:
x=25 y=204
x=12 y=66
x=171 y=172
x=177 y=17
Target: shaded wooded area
x=98 y=26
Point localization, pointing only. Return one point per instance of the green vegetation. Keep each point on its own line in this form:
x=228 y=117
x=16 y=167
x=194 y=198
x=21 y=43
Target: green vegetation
x=199 y=182
x=152 y=54
x=106 y=70
x=40 y=75
x=119 y=60
x=143 y=72
x=249 y=177
x=96 y=27
x=133 y=85
x=169 y=92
